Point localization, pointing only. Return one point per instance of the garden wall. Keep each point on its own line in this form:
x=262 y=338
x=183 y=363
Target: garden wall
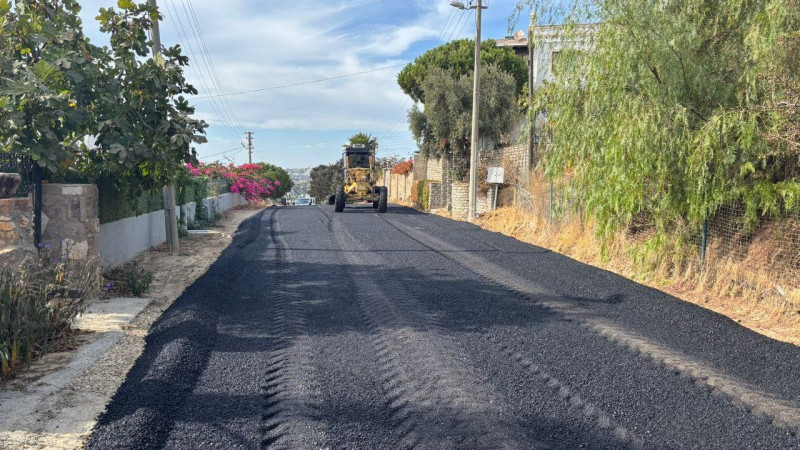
x=123 y=240
x=16 y=229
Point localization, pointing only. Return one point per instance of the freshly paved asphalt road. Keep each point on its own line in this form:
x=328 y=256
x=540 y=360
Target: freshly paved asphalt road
x=402 y=330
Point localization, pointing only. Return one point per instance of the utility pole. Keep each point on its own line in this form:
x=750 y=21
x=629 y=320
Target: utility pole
x=250 y=147
x=168 y=193
x=473 y=156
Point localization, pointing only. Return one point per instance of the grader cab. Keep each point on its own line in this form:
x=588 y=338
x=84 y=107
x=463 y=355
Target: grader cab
x=360 y=183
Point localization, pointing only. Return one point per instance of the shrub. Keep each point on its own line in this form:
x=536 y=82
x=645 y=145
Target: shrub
x=137 y=279
x=420 y=195
x=403 y=167
x=39 y=300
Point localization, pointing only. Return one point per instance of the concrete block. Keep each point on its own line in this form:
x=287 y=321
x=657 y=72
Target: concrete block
x=72 y=190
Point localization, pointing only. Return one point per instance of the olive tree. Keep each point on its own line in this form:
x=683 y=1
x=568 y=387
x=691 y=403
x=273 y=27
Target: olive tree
x=444 y=126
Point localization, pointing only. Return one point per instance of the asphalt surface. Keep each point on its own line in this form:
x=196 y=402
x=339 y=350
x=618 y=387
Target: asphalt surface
x=407 y=330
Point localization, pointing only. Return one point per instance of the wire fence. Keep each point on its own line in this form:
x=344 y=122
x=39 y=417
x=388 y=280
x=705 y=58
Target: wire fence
x=761 y=257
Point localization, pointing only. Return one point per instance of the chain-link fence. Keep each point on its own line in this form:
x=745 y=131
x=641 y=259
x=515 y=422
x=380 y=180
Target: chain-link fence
x=729 y=253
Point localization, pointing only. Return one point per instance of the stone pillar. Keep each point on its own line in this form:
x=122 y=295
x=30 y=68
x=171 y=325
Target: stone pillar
x=70 y=219
x=16 y=230
x=460 y=202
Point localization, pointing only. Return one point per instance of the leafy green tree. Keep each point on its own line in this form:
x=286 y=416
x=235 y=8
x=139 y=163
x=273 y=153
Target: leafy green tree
x=107 y=112
x=145 y=123
x=459 y=57
x=275 y=173
x=325 y=179
x=444 y=127
x=680 y=109
x=48 y=73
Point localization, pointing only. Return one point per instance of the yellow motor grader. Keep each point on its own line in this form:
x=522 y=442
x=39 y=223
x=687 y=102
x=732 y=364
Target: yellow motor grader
x=360 y=183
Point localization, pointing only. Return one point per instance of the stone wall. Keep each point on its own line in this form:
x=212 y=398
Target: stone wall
x=434 y=169
x=460 y=204
x=436 y=199
x=420 y=167
x=16 y=230
x=511 y=158
x=70 y=219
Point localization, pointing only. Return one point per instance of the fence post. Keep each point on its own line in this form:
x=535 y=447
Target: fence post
x=37 y=203
x=551 y=202
x=704 y=244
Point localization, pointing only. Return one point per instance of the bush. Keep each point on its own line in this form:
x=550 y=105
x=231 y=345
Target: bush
x=403 y=167
x=39 y=300
x=137 y=279
x=420 y=195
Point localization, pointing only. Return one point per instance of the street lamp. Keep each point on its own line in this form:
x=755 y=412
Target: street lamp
x=473 y=155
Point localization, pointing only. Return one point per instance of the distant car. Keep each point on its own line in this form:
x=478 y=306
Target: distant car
x=303 y=202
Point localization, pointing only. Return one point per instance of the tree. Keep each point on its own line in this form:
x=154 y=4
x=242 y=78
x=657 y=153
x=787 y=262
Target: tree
x=459 y=57
x=147 y=129
x=680 y=109
x=275 y=173
x=57 y=91
x=364 y=138
x=325 y=179
x=445 y=125
x=48 y=70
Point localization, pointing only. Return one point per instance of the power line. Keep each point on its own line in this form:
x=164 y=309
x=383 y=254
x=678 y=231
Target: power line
x=209 y=61
x=302 y=82
x=177 y=23
x=222 y=153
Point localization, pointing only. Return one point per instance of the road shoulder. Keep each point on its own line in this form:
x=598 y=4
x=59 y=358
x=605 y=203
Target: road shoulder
x=56 y=403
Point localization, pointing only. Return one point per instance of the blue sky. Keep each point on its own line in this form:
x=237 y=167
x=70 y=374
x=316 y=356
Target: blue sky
x=265 y=44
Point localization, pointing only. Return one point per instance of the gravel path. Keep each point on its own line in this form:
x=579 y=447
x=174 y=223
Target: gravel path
x=406 y=330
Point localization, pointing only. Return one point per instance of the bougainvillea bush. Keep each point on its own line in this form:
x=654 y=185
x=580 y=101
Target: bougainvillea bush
x=249 y=180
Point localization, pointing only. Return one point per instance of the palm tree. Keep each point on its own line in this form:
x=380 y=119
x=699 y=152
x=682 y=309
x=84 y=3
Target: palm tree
x=364 y=138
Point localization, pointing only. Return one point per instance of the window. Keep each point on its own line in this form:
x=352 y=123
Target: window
x=358 y=160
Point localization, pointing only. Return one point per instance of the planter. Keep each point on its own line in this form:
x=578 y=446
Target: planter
x=9 y=183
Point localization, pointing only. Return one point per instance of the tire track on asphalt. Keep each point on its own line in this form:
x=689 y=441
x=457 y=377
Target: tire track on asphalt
x=291 y=411
x=782 y=413
x=436 y=402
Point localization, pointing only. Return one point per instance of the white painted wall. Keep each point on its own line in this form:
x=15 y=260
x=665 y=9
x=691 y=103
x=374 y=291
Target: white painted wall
x=123 y=240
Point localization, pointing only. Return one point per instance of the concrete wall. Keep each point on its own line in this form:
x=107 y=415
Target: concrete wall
x=16 y=230
x=123 y=240
x=400 y=187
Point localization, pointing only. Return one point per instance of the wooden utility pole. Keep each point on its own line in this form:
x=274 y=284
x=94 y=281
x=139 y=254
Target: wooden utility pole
x=250 y=147
x=168 y=193
x=473 y=155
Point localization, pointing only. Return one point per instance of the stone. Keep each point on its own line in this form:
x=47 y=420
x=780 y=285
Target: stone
x=9 y=183
x=75 y=250
x=45 y=222
x=24 y=222
x=6 y=226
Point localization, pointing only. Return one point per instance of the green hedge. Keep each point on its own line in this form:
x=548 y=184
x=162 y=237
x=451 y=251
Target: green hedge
x=119 y=200
x=423 y=192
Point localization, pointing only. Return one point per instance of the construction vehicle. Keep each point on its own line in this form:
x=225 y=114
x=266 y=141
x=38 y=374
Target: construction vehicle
x=360 y=182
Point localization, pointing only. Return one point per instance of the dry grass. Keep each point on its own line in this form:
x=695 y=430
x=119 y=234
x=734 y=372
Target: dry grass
x=755 y=290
